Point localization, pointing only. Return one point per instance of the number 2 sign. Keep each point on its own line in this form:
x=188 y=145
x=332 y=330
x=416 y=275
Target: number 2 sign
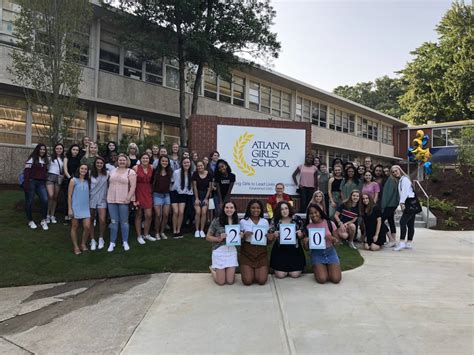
x=232 y=232
x=259 y=236
x=317 y=238
x=287 y=234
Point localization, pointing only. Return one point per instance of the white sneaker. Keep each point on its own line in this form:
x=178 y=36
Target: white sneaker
x=150 y=238
x=400 y=246
x=48 y=219
x=101 y=243
x=157 y=237
x=197 y=234
x=408 y=245
x=352 y=245
x=140 y=240
x=164 y=236
x=111 y=247
x=53 y=219
x=32 y=225
x=202 y=234
x=93 y=245
x=44 y=225
x=391 y=244
x=126 y=247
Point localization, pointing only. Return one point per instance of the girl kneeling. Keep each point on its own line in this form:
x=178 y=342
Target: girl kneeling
x=326 y=266
x=372 y=217
x=224 y=258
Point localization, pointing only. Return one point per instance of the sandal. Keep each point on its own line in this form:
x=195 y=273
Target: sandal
x=77 y=251
x=84 y=248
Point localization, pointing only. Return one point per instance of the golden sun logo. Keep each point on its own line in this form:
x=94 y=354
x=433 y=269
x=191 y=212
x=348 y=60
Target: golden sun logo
x=238 y=154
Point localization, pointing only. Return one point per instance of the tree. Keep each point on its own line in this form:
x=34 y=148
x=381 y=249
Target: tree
x=47 y=60
x=199 y=33
x=466 y=151
x=440 y=79
x=381 y=95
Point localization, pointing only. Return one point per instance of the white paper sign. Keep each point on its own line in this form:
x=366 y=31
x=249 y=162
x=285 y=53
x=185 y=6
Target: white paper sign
x=232 y=232
x=317 y=238
x=259 y=236
x=288 y=234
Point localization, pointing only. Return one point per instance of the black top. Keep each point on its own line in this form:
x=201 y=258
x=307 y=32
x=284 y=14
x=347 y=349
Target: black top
x=162 y=183
x=202 y=184
x=336 y=185
x=370 y=221
x=73 y=164
x=133 y=162
x=224 y=183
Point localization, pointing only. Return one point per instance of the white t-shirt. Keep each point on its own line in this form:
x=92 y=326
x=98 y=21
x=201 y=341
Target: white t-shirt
x=56 y=167
x=246 y=225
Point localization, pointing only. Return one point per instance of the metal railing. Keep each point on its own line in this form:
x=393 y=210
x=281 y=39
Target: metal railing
x=427 y=203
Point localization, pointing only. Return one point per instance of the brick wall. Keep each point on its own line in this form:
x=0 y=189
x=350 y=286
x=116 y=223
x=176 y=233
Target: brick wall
x=203 y=140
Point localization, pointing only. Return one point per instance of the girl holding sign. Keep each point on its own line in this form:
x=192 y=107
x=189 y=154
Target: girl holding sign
x=322 y=232
x=224 y=258
x=254 y=258
x=287 y=259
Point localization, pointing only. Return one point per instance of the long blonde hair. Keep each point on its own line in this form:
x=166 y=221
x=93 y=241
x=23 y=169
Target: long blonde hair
x=313 y=201
x=402 y=173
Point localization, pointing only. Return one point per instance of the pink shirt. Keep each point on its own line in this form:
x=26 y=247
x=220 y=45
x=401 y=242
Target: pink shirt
x=371 y=189
x=307 y=175
x=122 y=184
x=324 y=224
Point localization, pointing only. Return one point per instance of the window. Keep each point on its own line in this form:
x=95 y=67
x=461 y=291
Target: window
x=172 y=73
x=12 y=121
x=81 y=44
x=443 y=137
x=386 y=134
x=154 y=71
x=254 y=96
x=238 y=90
x=332 y=118
x=132 y=66
x=171 y=135
x=322 y=115
x=345 y=122
x=210 y=84
x=266 y=97
x=107 y=128
x=276 y=102
x=285 y=105
x=225 y=90
x=77 y=128
x=367 y=129
x=299 y=108
x=131 y=127
x=351 y=123
x=152 y=129
x=315 y=113
x=109 y=53
x=306 y=110
x=41 y=127
x=454 y=136
x=338 y=120
x=9 y=11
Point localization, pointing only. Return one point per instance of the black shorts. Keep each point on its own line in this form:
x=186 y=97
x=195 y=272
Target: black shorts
x=175 y=197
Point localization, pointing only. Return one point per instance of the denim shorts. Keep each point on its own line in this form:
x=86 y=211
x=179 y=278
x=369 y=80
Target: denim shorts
x=160 y=199
x=326 y=256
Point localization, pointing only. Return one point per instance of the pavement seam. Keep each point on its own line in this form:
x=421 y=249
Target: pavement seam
x=14 y=344
x=289 y=342
x=162 y=289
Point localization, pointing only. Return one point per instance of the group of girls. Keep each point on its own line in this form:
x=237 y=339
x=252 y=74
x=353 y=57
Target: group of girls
x=97 y=188
x=285 y=259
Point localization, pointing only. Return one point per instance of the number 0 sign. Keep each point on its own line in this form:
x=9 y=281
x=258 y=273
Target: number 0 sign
x=259 y=236
x=287 y=234
x=232 y=232
x=317 y=238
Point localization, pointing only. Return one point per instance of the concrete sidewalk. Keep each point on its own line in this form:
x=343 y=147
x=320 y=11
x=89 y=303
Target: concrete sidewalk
x=413 y=301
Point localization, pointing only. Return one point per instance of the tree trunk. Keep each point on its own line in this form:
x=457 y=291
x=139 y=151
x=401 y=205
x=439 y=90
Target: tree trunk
x=197 y=88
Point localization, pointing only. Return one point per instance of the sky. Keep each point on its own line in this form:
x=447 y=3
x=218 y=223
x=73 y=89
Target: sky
x=327 y=43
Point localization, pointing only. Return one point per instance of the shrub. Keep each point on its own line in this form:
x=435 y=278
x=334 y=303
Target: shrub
x=436 y=172
x=466 y=151
x=444 y=206
x=450 y=223
x=468 y=214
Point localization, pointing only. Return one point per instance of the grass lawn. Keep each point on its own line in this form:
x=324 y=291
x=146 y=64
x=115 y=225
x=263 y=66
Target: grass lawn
x=35 y=256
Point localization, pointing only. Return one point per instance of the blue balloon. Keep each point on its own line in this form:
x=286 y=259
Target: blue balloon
x=427 y=167
x=425 y=140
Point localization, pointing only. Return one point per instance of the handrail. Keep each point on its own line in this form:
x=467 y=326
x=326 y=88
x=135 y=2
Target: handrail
x=427 y=203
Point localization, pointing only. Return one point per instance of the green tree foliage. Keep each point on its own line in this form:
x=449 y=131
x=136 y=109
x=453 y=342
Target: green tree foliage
x=47 y=60
x=440 y=78
x=466 y=150
x=198 y=33
x=381 y=95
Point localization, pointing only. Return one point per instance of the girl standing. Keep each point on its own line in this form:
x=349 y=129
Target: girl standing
x=161 y=196
x=334 y=189
x=121 y=192
x=379 y=176
x=407 y=221
x=98 y=201
x=132 y=152
x=90 y=155
x=370 y=187
x=155 y=156
x=111 y=148
x=389 y=204
x=373 y=223
x=326 y=266
x=78 y=207
x=253 y=258
x=71 y=164
x=202 y=187
x=174 y=157
x=181 y=194
x=224 y=180
x=308 y=181
x=143 y=198
x=323 y=184
x=346 y=217
x=360 y=175
x=224 y=258
x=35 y=173
x=54 y=181
x=214 y=158
x=287 y=260
x=349 y=182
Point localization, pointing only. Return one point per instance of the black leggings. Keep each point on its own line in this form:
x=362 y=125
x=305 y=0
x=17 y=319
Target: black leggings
x=407 y=221
x=306 y=194
x=388 y=215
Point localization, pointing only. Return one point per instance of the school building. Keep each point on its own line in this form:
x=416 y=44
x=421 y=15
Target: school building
x=121 y=95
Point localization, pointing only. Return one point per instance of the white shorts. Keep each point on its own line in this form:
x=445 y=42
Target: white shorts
x=224 y=257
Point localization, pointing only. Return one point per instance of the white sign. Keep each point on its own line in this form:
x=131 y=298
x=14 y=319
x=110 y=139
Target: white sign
x=232 y=232
x=288 y=234
x=261 y=157
x=259 y=236
x=317 y=238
